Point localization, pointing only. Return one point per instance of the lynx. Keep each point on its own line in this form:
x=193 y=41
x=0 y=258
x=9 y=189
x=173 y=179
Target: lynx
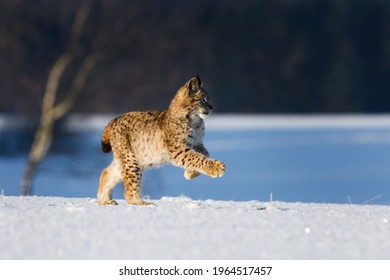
x=145 y=139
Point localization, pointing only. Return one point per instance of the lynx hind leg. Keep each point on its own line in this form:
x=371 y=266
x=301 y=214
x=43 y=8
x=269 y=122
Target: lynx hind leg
x=109 y=178
x=132 y=177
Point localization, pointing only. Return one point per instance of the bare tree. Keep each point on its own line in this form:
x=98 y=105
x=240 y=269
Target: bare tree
x=52 y=110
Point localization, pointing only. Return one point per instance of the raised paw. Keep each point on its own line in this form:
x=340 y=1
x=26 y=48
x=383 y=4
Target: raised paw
x=216 y=169
x=190 y=174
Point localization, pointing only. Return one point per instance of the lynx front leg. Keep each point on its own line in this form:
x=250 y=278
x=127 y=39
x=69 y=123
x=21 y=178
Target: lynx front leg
x=109 y=178
x=191 y=159
x=189 y=173
x=214 y=168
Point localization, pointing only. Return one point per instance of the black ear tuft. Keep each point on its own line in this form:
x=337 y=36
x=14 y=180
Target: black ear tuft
x=198 y=78
x=194 y=84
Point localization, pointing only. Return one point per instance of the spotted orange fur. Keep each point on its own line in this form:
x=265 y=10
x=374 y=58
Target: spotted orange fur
x=145 y=139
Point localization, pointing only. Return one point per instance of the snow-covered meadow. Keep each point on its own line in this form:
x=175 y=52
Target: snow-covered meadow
x=182 y=228
x=297 y=187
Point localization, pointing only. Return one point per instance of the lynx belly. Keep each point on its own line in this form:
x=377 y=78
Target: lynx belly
x=152 y=154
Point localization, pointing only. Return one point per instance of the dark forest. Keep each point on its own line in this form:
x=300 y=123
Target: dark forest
x=288 y=56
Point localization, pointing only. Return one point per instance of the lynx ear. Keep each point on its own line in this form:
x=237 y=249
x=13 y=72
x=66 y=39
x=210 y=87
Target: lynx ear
x=194 y=84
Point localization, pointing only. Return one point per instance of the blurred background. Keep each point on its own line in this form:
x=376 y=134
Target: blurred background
x=254 y=57
x=282 y=56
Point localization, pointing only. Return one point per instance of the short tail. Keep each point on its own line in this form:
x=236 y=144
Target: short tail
x=106 y=146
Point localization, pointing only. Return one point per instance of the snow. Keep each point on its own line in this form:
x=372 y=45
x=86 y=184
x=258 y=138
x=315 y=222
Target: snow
x=323 y=170
x=79 y=122
x=346 y=121
x=183 y=228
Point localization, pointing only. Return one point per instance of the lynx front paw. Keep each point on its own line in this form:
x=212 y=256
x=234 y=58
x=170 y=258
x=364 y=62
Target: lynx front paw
x=216 y=169
x=190 y=174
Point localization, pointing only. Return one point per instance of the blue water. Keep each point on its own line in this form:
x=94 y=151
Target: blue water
x=306 y=165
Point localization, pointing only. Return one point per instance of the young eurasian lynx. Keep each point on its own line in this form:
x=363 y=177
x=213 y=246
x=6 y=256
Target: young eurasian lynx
x=140 y=140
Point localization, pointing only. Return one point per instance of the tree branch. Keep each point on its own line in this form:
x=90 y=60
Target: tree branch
x=78 y=84
x=53 y=81
x=51 y=112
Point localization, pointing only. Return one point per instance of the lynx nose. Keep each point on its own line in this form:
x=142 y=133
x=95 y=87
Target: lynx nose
x=210 y=106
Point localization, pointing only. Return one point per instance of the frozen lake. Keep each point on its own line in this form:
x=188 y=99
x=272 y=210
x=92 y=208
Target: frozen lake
x=333 y=159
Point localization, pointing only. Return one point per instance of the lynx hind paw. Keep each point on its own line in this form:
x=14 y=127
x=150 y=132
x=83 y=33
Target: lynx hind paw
x=140 y=203
x=217 y=169
x=108 y=202
x=190 y=174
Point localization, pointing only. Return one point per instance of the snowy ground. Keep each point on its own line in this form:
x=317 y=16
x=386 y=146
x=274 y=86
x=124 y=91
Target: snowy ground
x=312 y=163
x=182 y=228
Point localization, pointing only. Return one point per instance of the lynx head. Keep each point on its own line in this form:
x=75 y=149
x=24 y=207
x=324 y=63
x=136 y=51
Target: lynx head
x=193 y=99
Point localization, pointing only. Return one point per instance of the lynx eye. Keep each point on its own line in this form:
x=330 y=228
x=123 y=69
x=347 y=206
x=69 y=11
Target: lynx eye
x=204 y=99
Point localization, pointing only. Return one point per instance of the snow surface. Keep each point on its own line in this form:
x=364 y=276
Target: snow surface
x=182 y=228
x=79 y=122
x=332 y=159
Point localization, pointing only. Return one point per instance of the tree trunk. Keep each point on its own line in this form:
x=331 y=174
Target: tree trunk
x=51 y=112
